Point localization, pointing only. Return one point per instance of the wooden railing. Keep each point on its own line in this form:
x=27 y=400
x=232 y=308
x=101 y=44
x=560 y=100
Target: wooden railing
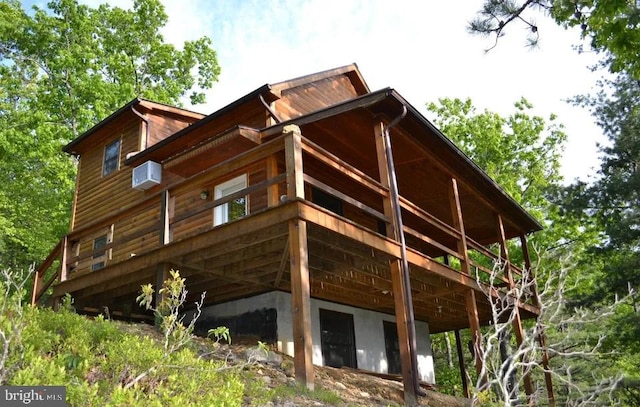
x=346 y=174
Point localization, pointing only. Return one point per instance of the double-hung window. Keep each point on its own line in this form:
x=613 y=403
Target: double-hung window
x=111 y=159
x=234 y=209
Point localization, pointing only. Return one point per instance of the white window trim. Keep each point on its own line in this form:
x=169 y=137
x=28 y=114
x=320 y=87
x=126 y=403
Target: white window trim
x=221 y=212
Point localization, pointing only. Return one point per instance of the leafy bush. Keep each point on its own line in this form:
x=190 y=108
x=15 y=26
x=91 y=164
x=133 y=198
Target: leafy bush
x=100 y=363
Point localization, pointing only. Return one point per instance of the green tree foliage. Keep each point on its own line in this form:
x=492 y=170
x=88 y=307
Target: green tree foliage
x=521 y=152
x=611 y=27
x=62 y=69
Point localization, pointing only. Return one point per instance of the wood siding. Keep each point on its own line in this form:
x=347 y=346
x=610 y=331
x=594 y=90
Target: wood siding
x=314 y=96
x=98 y=195
x=162 y=127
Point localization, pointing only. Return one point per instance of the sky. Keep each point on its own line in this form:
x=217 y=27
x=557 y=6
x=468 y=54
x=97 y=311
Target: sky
x=420 y=48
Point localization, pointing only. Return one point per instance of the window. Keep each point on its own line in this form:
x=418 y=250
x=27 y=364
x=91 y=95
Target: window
x=99 y=257
x=101 y=254
x=327 y=201
x=234 y=209
x=337 y=339
x=111 y=157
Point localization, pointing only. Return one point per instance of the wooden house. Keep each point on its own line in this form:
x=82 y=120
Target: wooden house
x=342 y=210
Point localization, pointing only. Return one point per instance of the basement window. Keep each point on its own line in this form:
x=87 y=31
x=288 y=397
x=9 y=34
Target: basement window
x=100 y=253
x=234 y=209
x=99 y=258
x=111 y=157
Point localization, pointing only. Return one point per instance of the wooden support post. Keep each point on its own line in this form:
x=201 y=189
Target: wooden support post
x=517 y=321
x=162 y=274
x=38 y=282
x=164 y=218
x=64 y=259
x=401 y=291
x=463 y=369
x=293 y=158
x=273 y=196
x=470 y=298
x=300 y=303
x=542 y=338
x=529 y=272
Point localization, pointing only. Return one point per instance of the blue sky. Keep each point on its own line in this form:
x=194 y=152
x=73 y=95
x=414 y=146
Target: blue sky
x=420 y=48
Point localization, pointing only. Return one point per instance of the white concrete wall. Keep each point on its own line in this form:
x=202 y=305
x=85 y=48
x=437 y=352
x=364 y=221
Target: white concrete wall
x=368 y=326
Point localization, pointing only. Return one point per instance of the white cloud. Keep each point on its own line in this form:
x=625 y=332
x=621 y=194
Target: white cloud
x=420 y=48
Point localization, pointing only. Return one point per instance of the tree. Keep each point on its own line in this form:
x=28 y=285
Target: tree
x=63 y=69
x=573 y=346
x=521 y=152
x=611 y=27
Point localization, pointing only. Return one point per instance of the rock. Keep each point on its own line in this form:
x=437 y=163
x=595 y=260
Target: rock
x=264 y=356
x=340 y=386
x=266 y=380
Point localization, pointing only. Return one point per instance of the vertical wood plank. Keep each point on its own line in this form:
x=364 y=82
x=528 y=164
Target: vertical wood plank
x=461 y=364
x=517 y=321
x=64 y=259
x=164 y=218
x=542 y=338
x=400 y=290
x=162 y=273
x=529 y=272
x=384 y=178
x=273 y=197
x=300 y=303
x=74 y=205
x=470 y=298
x=37 y=283
x=293 y=158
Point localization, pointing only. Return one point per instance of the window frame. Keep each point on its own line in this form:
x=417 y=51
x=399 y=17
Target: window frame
x=221 y=212
x=111 y=161
x=99 y=260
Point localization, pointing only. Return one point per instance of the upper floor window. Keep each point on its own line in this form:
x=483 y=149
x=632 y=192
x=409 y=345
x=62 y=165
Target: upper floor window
x=111 y=157
x=234 y=209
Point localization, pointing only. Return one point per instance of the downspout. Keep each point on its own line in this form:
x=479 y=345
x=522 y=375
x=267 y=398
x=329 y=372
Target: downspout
x=270 y=110
x=147 y=127
x=397 y=214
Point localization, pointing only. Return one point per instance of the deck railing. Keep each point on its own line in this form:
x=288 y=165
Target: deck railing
x=155 y=221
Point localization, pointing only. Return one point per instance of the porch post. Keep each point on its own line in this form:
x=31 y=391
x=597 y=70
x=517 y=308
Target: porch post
x=463 y=370
x=542 y=337
x=517 y=321
x=401 y=291
x=470 y=300
x=164 y=218
x=299 y=263
x=300 y=303
x=162 y=274
x=273 y=198
x=461 y=363
x=64 y=258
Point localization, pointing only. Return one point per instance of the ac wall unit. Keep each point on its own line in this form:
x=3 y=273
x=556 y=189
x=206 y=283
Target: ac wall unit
x=146 y=175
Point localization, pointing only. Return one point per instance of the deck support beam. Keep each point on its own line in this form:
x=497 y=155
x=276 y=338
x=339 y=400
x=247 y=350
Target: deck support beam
x=461 y=365
x=162 y=274
x=299 y=263
x=400 y=278
x=517 y=320
x=470 y=297
x=531 y=281
x=301 y=303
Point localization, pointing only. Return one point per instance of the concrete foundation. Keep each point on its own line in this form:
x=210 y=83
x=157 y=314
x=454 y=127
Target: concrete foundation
x=368 y=327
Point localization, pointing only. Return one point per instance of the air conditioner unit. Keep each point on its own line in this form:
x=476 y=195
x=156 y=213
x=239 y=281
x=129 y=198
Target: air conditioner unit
x=146 y=175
